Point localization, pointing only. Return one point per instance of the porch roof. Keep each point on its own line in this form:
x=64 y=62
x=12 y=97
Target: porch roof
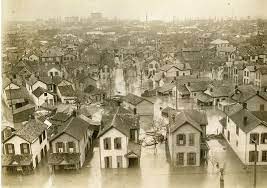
x=16 y=160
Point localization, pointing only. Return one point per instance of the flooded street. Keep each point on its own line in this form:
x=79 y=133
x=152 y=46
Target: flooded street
x=153 y=168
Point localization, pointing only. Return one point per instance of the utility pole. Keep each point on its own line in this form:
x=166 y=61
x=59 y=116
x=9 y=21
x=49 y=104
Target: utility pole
x=11 y=101
x=176 y=97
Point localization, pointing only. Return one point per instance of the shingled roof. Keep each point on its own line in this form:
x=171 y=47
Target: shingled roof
x=75 y=127
x=66 y=90
x=133 y=99
x=122 y=120
x=31 y=131
x=193 y=117
x=253 y=119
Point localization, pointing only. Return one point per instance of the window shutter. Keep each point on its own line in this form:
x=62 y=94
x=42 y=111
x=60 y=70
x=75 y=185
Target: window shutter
x=67 y=147
x=28 y=148
x=74 y=147
x=188 y=158
x=6 y=148
x=21 y=149
x=184 y=137
x=57 y=148
x=64 y=147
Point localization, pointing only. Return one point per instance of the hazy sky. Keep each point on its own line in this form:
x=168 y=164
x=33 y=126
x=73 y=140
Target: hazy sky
x=135 y=9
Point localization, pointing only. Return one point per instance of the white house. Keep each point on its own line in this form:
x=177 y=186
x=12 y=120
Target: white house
x=175 y=70
x=249 y=74
x=241 y=128
x=66 y=94
x=26 y=147
x=118 y=139
x=186 y=138
x=42 y=96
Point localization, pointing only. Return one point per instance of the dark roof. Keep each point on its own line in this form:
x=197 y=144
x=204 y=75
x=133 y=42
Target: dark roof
x=182 y=89
x=38 y=92
x=133 y=99
x=166 y=88
x=31 y=130
x=122 y=120
x=69 y=158
x=60 y=116
x=20 y=160
x=17 y=93
x=66 y=90
x=203 y=97
x=193 y=117
x=197 y=86
x=252 y=120
x=245 y=92
x=76 y=127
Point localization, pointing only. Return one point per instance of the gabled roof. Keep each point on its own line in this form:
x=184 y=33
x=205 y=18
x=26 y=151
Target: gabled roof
x=193 y=117
x=166 y=88
x=197 y=86
x=253 y=119
x=66 y=90
x=38 y=92
x=31 y=131
x=17 y=94
x=122 y=120
x=75 y=127
x=133 y=99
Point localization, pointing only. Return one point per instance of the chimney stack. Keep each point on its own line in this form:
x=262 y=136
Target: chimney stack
x=188 y=84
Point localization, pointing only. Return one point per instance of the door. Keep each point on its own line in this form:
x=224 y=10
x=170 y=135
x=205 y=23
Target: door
x=108 y=162
x=119 y=161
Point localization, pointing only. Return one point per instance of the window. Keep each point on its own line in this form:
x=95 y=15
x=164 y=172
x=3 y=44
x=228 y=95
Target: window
x=237 y=130
x=261 y=107
x=71 y=147
x=180 y=140
x=180 y=159
x=150 y=66
x=264 y=138
x=51 y=74
x=45 y=94
x=228 y=136
x=117 y=143
x=60 y=147
x=252 y=156
x=44 y=135
x=191 y=158
x=177 y=73
x=183 y=74
x=132 y=134
x=264 y=156
x=107 y=143
x=119 y=161
x=56 y=73
x=24 y=148
x=236 y=143
x=40 y=139
x=191 y=139
x=254 y=137
x=10 y=149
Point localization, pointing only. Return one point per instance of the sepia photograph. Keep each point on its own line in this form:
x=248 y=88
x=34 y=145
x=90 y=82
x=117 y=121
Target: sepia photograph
x=134 y=93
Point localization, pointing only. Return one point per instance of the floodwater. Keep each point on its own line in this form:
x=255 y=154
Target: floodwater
x=154 y=171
